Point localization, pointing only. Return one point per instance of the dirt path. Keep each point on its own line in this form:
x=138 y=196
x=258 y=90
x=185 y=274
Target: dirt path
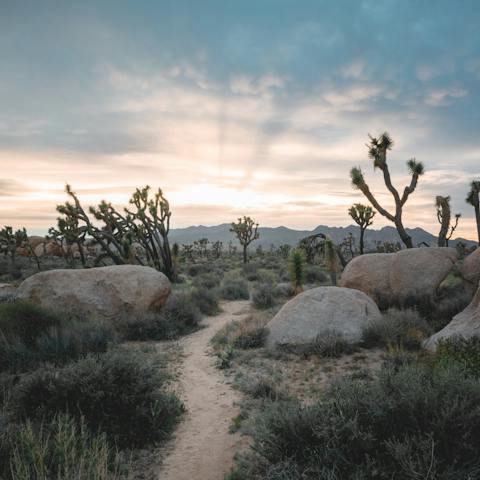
x=202 y=447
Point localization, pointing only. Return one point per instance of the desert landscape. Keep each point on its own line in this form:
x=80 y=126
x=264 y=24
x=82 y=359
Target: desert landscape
x=180 y=319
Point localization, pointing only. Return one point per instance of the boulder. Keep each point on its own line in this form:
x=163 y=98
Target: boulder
x=49 y=249
x=99 y=292
x=470 y=271
x=323 y=309
x=35 y=241
x=401 y=274
x=465 y=324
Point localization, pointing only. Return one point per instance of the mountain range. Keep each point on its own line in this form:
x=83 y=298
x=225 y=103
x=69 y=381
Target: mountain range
x=282 y=235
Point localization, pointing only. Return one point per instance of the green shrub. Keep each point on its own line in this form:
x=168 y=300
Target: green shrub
x=250 y=271
x=25 y=321
x=397 y=327
x=148 y=326
x=181 y=310
x=315 y=274
x=250 y=338
x=206 y=301
x=265 y=276
x=119 y=393
x=464 y=351
x=207 y=280
x=397 y=426
x=328 y=344
x=233 y=287
x=56 y=345
x=62 y=449
x=263 y=296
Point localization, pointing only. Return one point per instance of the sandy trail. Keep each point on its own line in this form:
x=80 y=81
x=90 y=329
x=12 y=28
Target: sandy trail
x=202 y=447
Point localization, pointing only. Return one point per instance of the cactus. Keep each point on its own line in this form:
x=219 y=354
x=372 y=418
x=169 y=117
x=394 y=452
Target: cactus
x=362 y=215
x=297 y=269
x=377 y=150
x=474 y=200
x=246 y=231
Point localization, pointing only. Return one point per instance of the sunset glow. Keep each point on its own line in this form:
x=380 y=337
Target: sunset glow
x=231 y=111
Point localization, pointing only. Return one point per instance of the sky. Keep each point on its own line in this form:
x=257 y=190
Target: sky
x=251 y=107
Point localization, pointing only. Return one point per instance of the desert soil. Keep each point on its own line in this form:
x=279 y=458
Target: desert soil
x=202 y=447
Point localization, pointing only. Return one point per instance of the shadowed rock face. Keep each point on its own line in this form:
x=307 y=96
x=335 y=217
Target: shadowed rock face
x=465 y=324
x=103 y=292
x=417 y=271
x=470 y=271
x=322 y=309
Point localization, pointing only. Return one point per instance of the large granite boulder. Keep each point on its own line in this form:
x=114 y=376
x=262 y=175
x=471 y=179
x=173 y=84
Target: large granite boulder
x=411 y=272
x=470 y=271
x=465 y=324
x=104 y=292
x=323 y=309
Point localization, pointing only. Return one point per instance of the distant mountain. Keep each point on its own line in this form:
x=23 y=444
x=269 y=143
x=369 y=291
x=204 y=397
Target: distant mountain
x=283 y=235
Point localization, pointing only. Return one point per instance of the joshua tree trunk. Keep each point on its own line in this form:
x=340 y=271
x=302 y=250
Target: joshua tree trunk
x=245 y=257
x=362 y=234
x=406 y=239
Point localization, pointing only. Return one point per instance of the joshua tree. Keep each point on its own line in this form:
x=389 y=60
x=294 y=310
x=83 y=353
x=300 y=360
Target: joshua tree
x=444 y=217
x=363 y=216
x=297 y=269
x=473 y=199
x=246 y=231
x=217 y=248
x=148 y=224
x=11 y=242
x=377 y=150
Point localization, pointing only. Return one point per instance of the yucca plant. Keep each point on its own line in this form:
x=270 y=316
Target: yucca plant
x=297 y=269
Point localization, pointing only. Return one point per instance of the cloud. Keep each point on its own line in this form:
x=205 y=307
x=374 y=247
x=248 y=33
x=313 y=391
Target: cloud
x=440 y=97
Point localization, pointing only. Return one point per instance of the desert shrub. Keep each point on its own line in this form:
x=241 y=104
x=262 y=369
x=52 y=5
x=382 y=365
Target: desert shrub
x=250 y=338
x=119 y=393
x=397 y=327
x=262 y=387
x=283 y=290
x=399 y=425
x=181 y=309
x=263 y=296
x=233 y=287
x=266 y=276
x=56 y=345
x=25 y=321
x=198 y=269
x=206 y=301
x=148 y=326
x=438 y=309
x=62 y=449
x=250 y=271
x=207 y=280
x=315 y=274
x=328 y=344
x=464 y=351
